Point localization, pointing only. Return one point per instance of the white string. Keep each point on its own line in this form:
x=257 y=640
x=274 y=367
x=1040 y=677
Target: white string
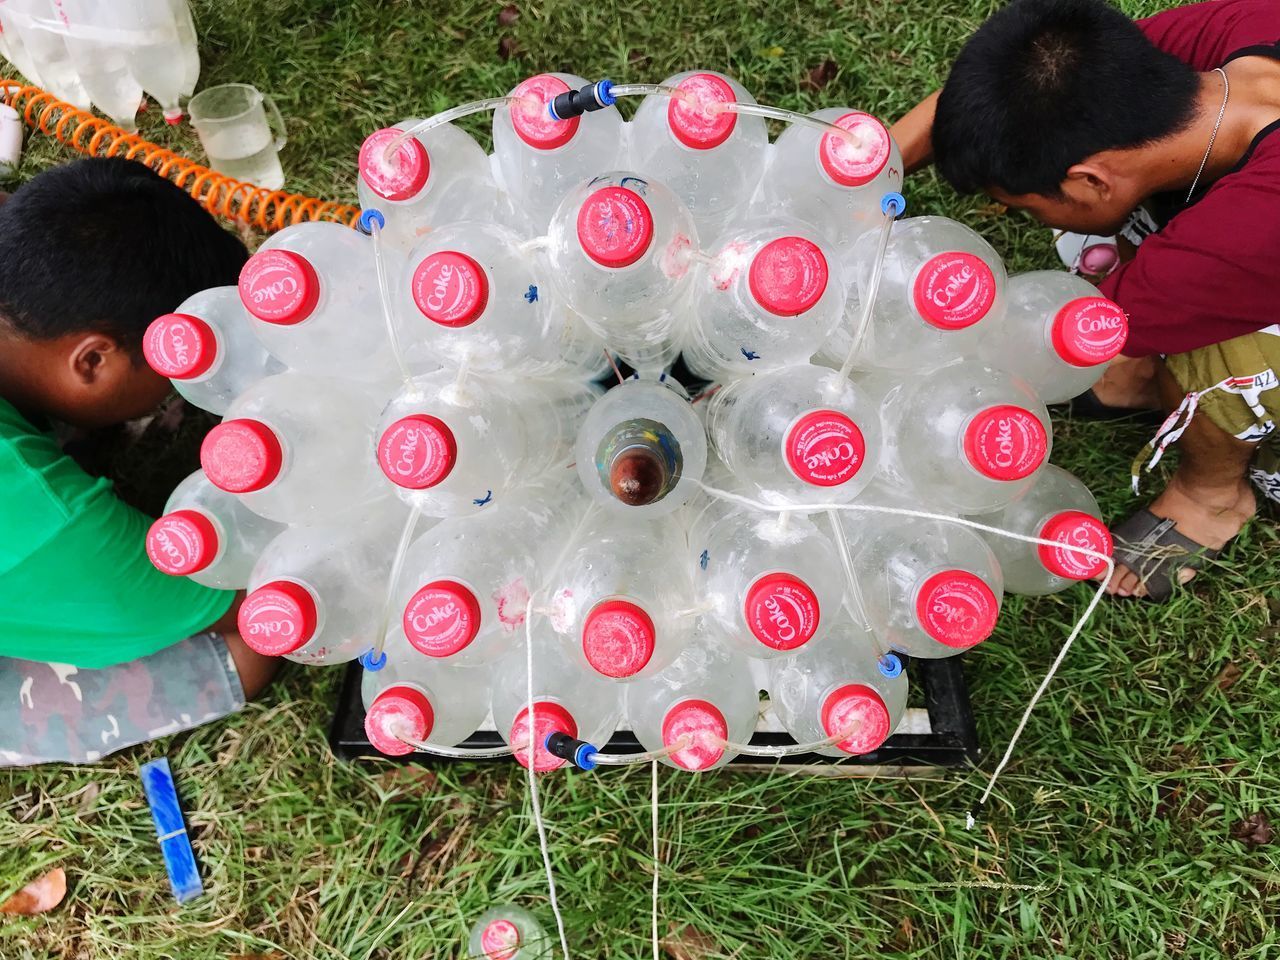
x=653 y=827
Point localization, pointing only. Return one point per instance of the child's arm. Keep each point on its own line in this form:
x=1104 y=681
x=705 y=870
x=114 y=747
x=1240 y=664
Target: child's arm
x=913 y=132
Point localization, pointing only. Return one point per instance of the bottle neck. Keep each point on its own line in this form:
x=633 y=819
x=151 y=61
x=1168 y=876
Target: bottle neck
x=639 y=461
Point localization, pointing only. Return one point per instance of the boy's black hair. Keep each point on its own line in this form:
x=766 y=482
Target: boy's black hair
x=106 y=246
x=1044 y=84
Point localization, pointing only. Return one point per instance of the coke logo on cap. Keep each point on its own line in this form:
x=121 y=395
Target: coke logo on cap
x=269 y=617
x=284 y=286
x=450 y=288
x=824 y=448
x=442 y=618
x=417 y=451
x=957 y=608
x=279 y=286
x=182 y=542
x=1006 y=442
x=781 y=611
x=500 y=940
x=1075 y=528
x=954 y=290
x=1089 y=331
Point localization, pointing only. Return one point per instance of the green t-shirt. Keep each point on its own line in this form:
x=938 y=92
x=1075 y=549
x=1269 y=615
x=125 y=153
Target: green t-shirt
x=75 y=582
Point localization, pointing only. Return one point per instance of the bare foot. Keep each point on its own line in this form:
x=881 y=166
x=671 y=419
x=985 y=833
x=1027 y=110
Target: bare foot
x=1129 y=384
x=1210 y=518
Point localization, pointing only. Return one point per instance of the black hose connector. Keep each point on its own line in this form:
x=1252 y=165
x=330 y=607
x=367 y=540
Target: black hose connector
x=577 y=752
x=574 y=103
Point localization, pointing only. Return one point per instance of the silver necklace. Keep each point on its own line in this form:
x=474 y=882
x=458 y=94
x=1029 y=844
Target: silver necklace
x=1226 y=92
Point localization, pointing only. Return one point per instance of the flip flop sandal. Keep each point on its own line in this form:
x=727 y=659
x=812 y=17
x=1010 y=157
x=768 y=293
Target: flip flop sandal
x=1153 y=548
x=1087 y=406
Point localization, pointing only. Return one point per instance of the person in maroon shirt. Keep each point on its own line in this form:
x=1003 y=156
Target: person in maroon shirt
x=1167 y=132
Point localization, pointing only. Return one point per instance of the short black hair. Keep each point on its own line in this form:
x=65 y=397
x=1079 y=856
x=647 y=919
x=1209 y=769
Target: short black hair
x=106 y=246
x=1043 y=84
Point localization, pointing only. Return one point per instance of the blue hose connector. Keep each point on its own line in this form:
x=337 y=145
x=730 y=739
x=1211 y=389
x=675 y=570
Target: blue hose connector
x=895 y=202
x=574 y=103
x=891 y=665
x=373 y=665
x=368 y=217
x=577 y=752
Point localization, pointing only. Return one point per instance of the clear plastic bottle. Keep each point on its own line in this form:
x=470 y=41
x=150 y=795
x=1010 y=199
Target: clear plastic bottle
x=1056 y=507
x=641 y=449
x=296 y=449
x=451 y=445
x=473 y=293
x=188 y=45
x=768 y=297
x=621 y=601
x=156 y=57
x=317 y=593
x=1056 y=333
x=208 y=349
x=801 y=434
x=208 y=535
x=433 y=178
x=313 y=287
x=15 y=27
x=568 y=697
x=41 y=48
x=707 y=695
x=620 y=249
x=711 y=157
x=841 y=687
x=827 y=181
x=941 y=288
x=507 y=932
x=422 y=699
x=101 y=59
x=927 y=588
x=964 y=438
x=540 y=158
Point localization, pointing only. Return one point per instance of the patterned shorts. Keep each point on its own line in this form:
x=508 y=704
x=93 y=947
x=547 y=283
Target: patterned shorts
x=56 y=713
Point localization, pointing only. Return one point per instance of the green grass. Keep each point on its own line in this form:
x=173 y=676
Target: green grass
x=1111 y=835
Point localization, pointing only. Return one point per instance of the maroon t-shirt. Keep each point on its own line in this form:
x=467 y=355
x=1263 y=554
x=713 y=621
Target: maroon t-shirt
x=1211 y=271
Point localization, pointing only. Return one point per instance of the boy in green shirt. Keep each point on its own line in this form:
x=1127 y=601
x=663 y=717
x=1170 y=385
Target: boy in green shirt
x=98 y=649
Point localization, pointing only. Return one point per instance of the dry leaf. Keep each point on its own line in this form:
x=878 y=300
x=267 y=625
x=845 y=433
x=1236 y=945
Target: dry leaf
x=507 y=48
x=818 y=77
x=508 y=15
x=38 y=896
x=686 y=943
x=1228 y=677
x=1254 y=830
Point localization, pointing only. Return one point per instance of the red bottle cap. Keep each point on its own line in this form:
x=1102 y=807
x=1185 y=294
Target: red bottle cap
x=1077 y=529
x=241 y=456
x=853 y=165
x=954 y=290
x=180 y=346
x=182 y=543
x=824 y=448
x=279 y=286
x=442 y=618
x=781 y=611
x=500 y=940
x=1006 y=442
x=548 y=718
x=1099 y=259
x=417 y=451
x=618 y=638
x=699 y=125
x=788 y=276
x=957 y=608
x=397 y=711
x=1089 y=331
x=533 y=121
x=450 y=289
x=615 y=226
x=278 y=618
x=400 y=177
x=703 y=725
x=859 y=709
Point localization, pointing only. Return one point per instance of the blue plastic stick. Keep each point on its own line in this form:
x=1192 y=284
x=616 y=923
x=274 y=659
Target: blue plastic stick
x=175 y=845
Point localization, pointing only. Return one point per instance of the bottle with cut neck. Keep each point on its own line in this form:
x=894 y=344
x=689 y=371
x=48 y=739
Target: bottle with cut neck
x=507 y=932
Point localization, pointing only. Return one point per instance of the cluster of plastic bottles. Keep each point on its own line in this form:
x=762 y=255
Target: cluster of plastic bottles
x=417 y=443
x=105 y=54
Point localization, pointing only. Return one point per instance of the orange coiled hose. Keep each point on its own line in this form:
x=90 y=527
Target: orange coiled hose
x=234 y=199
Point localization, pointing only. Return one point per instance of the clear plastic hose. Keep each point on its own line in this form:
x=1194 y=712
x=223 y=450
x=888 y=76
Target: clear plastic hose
x=455 y=753
x=851 y=581
x=644 y=90
x=623 y=759
x=393 y=580
x=872 y=291
x=791 y=116
x=448 y=116
x=384 y=296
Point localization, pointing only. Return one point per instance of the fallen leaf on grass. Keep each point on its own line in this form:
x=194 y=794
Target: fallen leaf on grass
x=818 y=77
x=1228 y=677
x=507 y=48
x=414 y=780
x=1254 y=830
x=687 y=943
x=39 y=895
x=508 y=15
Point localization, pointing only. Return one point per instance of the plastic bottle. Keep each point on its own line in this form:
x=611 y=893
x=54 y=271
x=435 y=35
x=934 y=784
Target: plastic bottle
x=507 y=932
x=28 y=24
x=473 y=293
x=1056 y=333
x=432 y=179
x=313 y=289
x=927 y=588
x=156 y=58
x=208 y=349
x=208 y=535
x=641 y=449
x=620 y=249
x=465 y=583
x=827 y=181
x=189 y=49
x=941 y=288
x=317 y=593
x=422 y=699
x=540 y=158
x=10 y=140
x=707 y=695
x=712 y=158
x=101 y=58
x=621 y=601
x=840 y=688
x=296 y=449
x=568 y=697
x=769 y=297
x=801 y=434
x=963 y=437
x=452 y=445
x=1056 y=507
x=15 y=27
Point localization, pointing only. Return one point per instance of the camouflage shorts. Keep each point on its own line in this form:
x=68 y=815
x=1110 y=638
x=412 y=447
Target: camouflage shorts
x=56 y=713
